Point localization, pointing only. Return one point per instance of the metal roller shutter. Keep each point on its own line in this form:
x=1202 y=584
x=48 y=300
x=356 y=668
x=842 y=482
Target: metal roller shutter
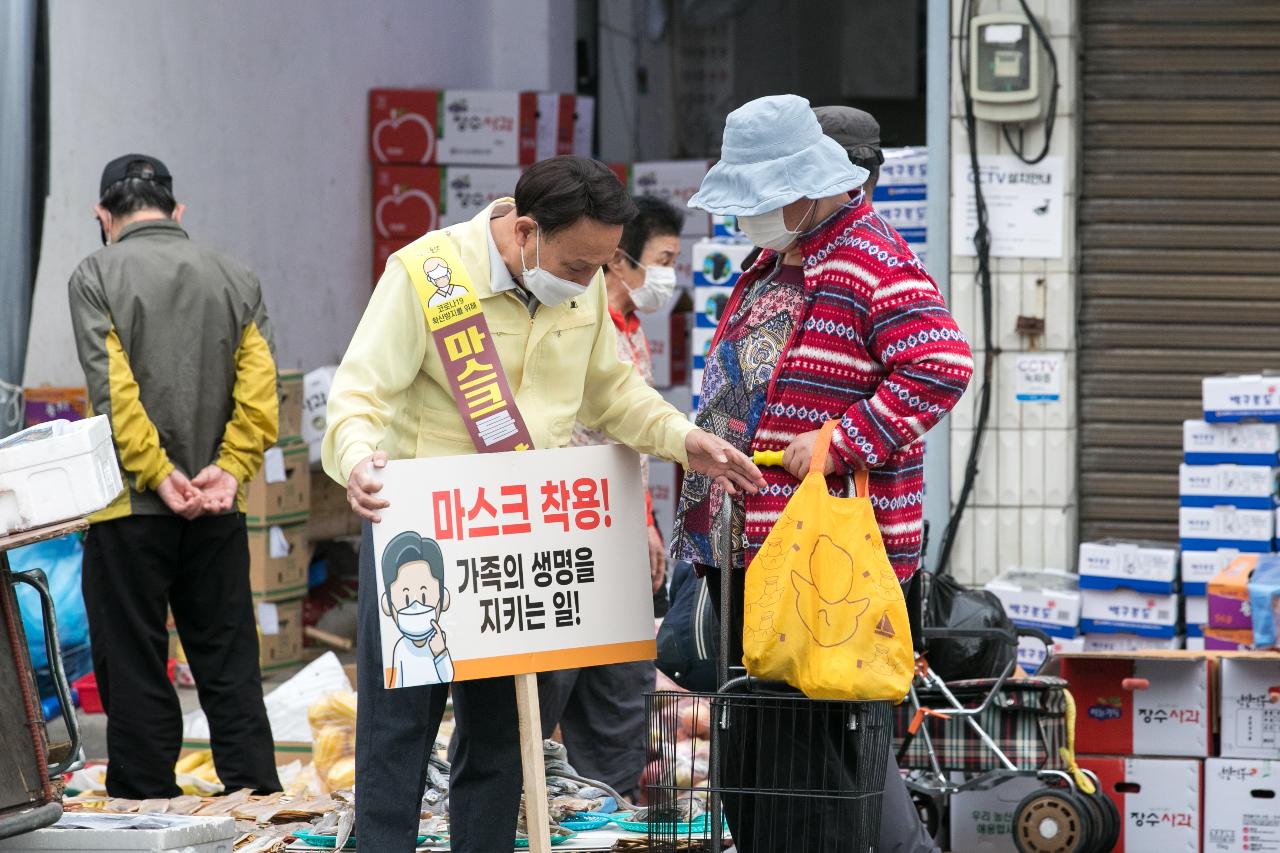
x=1179 y=235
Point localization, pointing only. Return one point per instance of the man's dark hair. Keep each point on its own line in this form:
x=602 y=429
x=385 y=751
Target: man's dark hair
x=654 y=218
x=409 y=547
x=141 y=190
x=559 y=191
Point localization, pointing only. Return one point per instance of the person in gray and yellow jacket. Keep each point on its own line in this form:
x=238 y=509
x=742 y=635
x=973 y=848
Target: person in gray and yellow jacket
x=176 y=349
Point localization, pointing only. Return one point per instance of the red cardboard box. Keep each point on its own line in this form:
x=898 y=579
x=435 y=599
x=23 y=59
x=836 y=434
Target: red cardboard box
x=1158 y=799
x=406 y=202
x=1142 y=704
x=419 y=127
x=402 y=125
x=382 y=252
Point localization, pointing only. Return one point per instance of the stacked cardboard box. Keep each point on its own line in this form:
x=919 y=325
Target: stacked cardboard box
x=1130 y=596
x=901 y=195
x=1048 y=600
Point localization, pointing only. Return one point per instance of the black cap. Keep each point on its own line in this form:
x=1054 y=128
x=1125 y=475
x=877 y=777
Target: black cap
x=856 y=130
x=135 y=166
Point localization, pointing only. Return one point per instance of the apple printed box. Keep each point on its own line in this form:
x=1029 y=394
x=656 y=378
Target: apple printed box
x=409 y=201
x=454 y=126
x=1142 y=704
x=1158 y=800
x=555 y=125
x=1241 y=806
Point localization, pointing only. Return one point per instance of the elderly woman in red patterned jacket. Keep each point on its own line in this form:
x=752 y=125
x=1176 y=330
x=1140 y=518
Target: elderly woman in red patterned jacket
x=836 y=320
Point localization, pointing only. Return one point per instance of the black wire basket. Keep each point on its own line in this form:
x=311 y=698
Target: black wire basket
x=790 y=773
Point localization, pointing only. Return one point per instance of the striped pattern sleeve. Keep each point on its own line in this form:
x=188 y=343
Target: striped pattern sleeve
x=927 y=364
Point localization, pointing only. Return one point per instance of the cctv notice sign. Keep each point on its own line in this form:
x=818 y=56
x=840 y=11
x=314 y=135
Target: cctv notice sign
x=512 y=563
x=1024 y=206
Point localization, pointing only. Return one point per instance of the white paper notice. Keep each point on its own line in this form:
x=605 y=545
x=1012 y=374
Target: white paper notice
x=268 y=618
x=1039 y=377
x=273 y=465
x=1024 y=206
x=277 y=544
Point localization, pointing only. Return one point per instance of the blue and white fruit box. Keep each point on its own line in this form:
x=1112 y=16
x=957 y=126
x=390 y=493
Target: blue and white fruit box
x=718 y=263
x=1044 y=599
x=1204 y=443
x=1125 y=643
x=1140 y=566
x=724 y=227
x=1200 y=567
x=1126 y=611
x=1241 y=486
x=1196 y=610
x=1211 y=528
x=1032 y=651
x=675 y=182
x=1249 y=397
x=710 y=305
x=702 y=346
x=904 y=175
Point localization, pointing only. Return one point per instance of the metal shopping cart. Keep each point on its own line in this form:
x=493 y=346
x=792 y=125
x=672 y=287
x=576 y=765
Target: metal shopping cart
x=784 y=772
x=979 y=733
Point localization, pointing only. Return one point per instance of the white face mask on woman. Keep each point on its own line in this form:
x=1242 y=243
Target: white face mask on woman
x=769 y=230
x=655 y=293
x=551 y=290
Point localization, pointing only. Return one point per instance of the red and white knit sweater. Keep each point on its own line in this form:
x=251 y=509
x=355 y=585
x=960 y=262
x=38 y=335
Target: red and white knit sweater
x=878 y=349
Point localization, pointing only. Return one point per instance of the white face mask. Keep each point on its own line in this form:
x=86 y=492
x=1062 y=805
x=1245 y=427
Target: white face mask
x=551 y=290
x=655 y=293
x=415 y=621
x=770 y=231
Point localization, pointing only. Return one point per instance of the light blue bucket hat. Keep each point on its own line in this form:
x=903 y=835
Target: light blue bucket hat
x=774 y=152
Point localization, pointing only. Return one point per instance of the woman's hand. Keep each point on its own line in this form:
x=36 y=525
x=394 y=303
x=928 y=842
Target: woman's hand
x=799 y=453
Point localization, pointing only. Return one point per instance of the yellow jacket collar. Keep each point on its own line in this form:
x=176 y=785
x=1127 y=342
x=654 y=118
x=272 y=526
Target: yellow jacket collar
x=472 y=238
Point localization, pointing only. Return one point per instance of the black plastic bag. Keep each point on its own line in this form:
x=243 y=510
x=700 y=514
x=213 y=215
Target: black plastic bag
x=949 y=604
x=688 y=638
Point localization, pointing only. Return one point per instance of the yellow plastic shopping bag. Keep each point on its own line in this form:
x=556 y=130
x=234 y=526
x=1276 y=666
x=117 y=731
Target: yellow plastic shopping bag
x=824 y=610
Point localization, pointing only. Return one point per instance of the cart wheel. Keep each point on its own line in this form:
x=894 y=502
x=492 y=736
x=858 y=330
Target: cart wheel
x=1110 y=819
x=1093 y=821
x=1050 y=821
x=930 y=812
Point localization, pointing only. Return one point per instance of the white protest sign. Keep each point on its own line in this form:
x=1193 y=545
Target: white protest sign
x=509 y=563
x=1024 y=206
x=1038 y=377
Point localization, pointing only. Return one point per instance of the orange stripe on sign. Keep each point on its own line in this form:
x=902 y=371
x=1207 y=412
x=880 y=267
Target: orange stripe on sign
x=469 y=670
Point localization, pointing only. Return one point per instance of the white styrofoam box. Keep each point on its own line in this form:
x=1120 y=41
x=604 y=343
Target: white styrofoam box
x=1197 y=609
x=1204 y=443
x=1005 y=407
x=1112 y=564
x=1033 y=458
x=1243 y=486
x=315 y=406
x=1125 y=611
x=1032 y=652
x=1031 y=537
x=584 y=118
x=982 y=821
x=1009 y=467
x=1059 y=538
x=1228 y=399
x=1211 y=528
x=1059 y=467
x=1059 y=316
x=1009 y=543
x=1045 y=599
x=176 y=834
x=674 y=181
x=726 y=228
x=717 y=263
x=962 y=551
x=1195 y=644
x=1128 y=642
x=467 y=190
x=1241 y=806
x=1158 y=800
x=1200 y=567
x=1007 y=309
x=663 y=488
x=986 y=558
x=1250 y=721
x=55 y=471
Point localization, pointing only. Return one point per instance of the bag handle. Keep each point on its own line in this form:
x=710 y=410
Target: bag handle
x=818 y=462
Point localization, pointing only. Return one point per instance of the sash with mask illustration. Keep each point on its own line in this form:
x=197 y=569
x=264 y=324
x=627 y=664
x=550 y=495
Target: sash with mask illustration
x=461 y=334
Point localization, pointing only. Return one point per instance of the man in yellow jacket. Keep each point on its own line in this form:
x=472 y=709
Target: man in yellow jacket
x=534 y=263
x=175 y=345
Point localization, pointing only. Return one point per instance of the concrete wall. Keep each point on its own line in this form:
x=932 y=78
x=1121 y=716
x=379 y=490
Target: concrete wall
x=259 y=111
x=1023 y=510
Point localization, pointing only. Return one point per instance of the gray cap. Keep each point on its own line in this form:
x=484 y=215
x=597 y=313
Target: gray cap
x=856 y=130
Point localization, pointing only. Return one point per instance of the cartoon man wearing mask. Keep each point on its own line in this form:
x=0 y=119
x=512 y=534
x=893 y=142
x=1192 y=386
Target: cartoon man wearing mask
x=415 y=596
x=439 y=275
